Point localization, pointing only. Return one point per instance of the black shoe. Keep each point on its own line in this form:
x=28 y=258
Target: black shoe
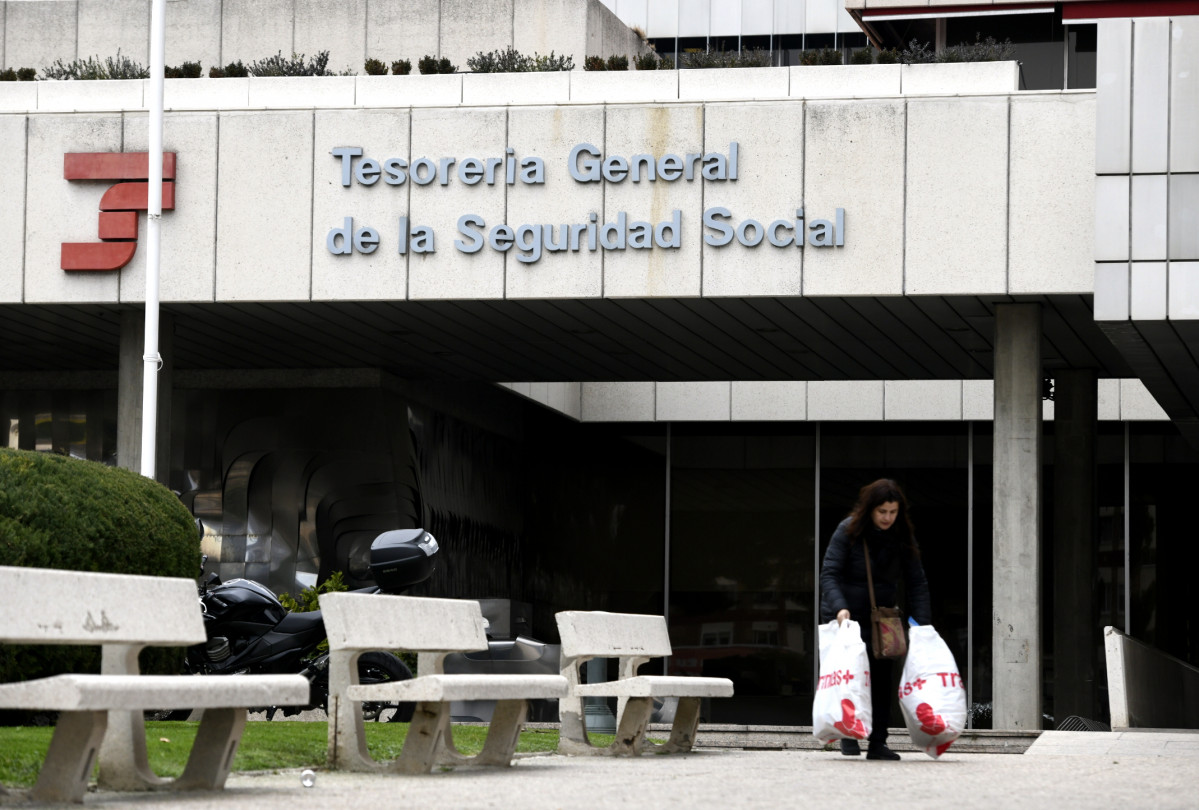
x=850 y=748
x=880 y=751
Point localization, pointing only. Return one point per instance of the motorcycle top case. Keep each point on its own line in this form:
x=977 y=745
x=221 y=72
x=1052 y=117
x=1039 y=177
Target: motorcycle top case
x=402 y=558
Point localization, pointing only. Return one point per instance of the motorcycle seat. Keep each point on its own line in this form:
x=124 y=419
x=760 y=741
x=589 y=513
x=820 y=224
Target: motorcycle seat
x=299 y=622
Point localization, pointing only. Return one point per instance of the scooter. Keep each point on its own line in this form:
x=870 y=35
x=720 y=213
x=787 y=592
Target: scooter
x=249 y=630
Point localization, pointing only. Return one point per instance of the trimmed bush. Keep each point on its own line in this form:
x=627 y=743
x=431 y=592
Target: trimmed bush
x=401 y=67
x=233 y=70
x=60 y=512
x=188 y=70
x=26 y=74
x=375 y=67
x=8 y=75
x=511 y=60
x=295 y=65
x=646 y=61
x=431 y=64
x=113 y=67
x=862 y=56
x=618 y=62
x=590 y=63
x=888 y=56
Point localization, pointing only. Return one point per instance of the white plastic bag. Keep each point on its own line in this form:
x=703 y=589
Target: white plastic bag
x=842 y=704
x=931 y=692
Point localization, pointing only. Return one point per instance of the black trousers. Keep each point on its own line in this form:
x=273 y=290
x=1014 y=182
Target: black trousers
x=882 y=694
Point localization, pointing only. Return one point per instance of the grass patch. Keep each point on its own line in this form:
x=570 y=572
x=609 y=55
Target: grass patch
x=274 y=745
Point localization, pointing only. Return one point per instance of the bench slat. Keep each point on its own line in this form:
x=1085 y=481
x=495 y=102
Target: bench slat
x=44 y=606
x=463 y=687
x=135 y=692
x=658 y=686
x=611 y=635
x=358 y=621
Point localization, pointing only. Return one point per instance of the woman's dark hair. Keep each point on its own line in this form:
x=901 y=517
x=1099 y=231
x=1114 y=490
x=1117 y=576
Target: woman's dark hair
x=874 y=495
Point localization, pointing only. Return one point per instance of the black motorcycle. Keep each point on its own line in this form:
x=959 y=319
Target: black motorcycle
x=249 y=630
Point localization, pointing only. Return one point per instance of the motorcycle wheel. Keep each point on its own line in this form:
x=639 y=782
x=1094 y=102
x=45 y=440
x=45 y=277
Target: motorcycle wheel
x=380 y=667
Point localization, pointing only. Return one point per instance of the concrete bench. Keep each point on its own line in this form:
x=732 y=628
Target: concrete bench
x=633 y=639
x=432 y=628
x=123 y=614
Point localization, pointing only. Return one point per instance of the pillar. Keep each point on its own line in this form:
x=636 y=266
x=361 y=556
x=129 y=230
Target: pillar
x=1016 y=614
x=130 y=369
x=1076 y=630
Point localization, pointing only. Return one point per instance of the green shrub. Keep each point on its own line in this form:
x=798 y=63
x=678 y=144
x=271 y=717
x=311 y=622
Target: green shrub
x=917 y=53
x=375 y=67
x=553 y=64
x=981 y=50
x=888 y=56
x=233 y=70
x=295 y=65
x=92 y=68
x=26 y=74
x=445 y=66
x=862 y=56
x=8 y=75
x=618 y=62
x=591 y=63
x=427 y=64
x=830 y=56
x=666 y=63
x=508 y=60
x=60 y=512
x=646 y=61
x=401 y=67
x=755 y=57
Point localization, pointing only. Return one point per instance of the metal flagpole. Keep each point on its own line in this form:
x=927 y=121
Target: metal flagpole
x=151 y=359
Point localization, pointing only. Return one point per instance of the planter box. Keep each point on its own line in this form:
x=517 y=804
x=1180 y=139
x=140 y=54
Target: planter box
x=732 y=84
x=434 y=90
x=301 y=91
x=624 y=86
x=18 y=96
x=960 y=78
x=204 y=94
x=86 y=96
x=497 y=89
x=845 y=81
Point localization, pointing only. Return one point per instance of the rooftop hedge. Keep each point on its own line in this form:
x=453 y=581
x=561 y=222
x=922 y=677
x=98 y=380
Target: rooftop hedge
x=61 y=512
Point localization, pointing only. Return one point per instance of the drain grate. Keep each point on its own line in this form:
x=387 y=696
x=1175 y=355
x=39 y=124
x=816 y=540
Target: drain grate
x=1076 y=723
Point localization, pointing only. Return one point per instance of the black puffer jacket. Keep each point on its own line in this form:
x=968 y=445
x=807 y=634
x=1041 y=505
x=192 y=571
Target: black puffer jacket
x=843 y=576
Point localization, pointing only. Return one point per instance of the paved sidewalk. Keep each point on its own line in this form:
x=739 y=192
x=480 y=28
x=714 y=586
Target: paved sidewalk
x=1061 y=770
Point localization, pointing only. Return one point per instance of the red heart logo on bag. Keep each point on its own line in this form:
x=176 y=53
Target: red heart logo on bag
x=930 y=723
x=849 y=724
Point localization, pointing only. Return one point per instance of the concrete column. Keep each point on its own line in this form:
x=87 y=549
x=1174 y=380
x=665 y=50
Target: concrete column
x=129 y=392
x=1077 y=633
x=1016 y=613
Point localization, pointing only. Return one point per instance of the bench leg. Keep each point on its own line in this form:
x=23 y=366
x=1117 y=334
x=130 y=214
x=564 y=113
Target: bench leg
x=347 y=737
x=630 y=733
x=572 y=738
x=430 y=725
x=72 y=754
x=686 y=722
x=212 y=754
x=506 y=723
x=124 y=763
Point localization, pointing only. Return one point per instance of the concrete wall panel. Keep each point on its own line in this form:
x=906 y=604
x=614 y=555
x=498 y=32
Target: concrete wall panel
x=403 y=29
x=1149 y=217
x=1147 y=291
x=1108 y=405
x=58 y=210
x=489 y=89
x=1184 y=94
x=769 y=401
x=845 y=400
x=1150 y=94
x=402 y=91
x=1184 y=291
x=1111 y=218
x=18 y=96
x=1111 y=291
x=336 y=26
x=770 y=187
x=662 y=19
x=634 y=12
x=694 y=16
x=470 y=26
x=618 y=402
x=1051 y=222
x=956 y=197
x=757 y=17
x=1137 y=404
x=619 y=38
x=448 y=273
x=90 y=95
x=264 y=213
x=550 y=133
x=657 y=271
x=871 y=192
x=960 y=77
x=256 y=29
x=208 y=94
x=1113 y=95
x=560 y=26
x=922 y=399
x=12 y=191
x=592 y=86
x=978 y=400
x=1184 y=216
x=54 y=21
x=692 y=401
x=274 y=92
x=844 y=81
x=109 y=26
x=193 y=33
x=188 y=245
x=718 y=84
x=383 y=273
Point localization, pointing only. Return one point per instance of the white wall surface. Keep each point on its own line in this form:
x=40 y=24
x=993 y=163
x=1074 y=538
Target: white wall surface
x=922 y=214
x=726 y=18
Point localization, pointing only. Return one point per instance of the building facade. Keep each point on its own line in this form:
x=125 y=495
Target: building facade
x=632 y=341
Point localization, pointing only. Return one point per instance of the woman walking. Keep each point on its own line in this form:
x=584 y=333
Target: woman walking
x=879 y=522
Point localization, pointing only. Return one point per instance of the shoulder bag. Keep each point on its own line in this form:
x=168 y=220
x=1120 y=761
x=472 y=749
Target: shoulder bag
x=887 y=638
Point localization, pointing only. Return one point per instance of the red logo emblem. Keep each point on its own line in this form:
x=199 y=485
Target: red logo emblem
x=118 y=206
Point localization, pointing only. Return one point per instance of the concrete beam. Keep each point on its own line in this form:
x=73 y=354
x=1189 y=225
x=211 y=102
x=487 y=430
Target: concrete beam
x=1016 y=627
